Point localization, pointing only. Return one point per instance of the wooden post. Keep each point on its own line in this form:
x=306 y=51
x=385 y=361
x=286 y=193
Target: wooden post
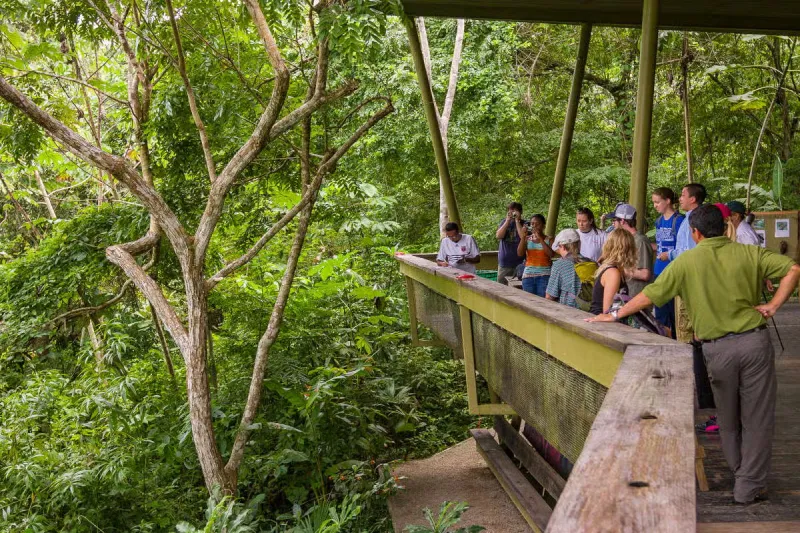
x=644 y=110
x=433 y=121
x=412 y=311
x=569 y=130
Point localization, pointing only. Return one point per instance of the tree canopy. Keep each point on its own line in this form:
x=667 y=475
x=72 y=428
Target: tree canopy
x=201 y=320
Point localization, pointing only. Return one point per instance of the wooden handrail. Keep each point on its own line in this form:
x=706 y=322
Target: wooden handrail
x=636 y=470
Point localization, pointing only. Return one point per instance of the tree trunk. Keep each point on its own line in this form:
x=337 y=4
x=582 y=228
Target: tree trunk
x=444 y=117
x=685 y=60
x=45 y=195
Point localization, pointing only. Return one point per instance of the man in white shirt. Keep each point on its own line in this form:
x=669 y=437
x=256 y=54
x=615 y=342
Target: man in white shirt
x=745 y=234
x=458 y=250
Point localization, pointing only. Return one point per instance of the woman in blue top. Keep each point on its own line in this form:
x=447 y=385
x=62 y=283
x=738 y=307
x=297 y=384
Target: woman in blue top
x=667 y=226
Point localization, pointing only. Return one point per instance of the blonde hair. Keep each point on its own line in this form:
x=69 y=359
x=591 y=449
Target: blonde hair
x=730 y=229
x=619 y=251
x=573 y=248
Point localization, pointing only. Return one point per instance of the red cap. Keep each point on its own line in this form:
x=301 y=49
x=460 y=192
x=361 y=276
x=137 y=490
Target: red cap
x=726 y=211
x=465 y=277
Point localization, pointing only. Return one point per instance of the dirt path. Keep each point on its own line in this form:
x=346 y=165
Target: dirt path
x=456 y=474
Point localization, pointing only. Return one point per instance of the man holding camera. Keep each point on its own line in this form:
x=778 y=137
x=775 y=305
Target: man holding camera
x=508 y=236
x=458 y=250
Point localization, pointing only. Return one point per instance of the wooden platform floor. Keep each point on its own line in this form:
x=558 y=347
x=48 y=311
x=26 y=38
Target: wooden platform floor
x=782 y=511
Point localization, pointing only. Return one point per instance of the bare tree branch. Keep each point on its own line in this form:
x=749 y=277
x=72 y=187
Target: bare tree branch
x=45 y=196
x=309 y=194
x=198 y=121
x=266 y=342
x=73 y=80
x=247 y=154
x=83 y=311
x=453 y=81
x=227 y=58
x=123 y=259
x=114 y=165
x=37 y=235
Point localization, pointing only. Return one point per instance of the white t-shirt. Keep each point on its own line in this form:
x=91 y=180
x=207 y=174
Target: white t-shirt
x=592 y=243
x=453 y=251
x=745 y=234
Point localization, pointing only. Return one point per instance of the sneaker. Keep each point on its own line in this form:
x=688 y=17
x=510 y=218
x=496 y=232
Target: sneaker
x=709 y=426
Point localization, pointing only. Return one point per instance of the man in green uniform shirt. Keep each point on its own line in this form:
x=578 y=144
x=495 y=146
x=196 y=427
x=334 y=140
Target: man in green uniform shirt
x=720 y=282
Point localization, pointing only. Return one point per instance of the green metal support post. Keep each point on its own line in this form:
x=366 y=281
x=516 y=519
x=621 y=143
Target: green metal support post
x=569 y=130
x=433 y=121
x=644 y=110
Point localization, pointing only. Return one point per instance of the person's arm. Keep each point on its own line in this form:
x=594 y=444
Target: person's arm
x=441 y=258
x=473 y=253
x=553 y=290
x=639 y=302
x=785 y=290
x=682 y=239
x=611 y=280
x=548 y=250
x=523 y=242
x=642 y=274
x=501 y=231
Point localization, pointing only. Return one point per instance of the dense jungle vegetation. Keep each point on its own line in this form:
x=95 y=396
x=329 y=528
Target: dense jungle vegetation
x=169 y=169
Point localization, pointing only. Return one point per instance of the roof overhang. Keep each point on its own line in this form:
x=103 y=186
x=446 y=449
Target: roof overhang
x=741 y=16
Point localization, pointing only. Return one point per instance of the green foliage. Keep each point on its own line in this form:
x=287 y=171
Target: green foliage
x=98 y=437
x=449 y=516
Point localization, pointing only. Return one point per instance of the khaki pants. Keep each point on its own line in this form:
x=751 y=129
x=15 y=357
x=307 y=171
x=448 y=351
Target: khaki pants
x=742 y=371
x=502 y=272
x=683 y=326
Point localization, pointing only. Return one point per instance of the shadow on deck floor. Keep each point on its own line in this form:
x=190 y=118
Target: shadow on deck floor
x=784 y=480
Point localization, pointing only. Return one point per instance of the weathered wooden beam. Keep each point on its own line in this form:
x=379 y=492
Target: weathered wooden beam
x=530 y=503
x=569 y=130
x=636 y=471
x=433 y=121
x=746 y=16
x=534 y=463
x=643 y=124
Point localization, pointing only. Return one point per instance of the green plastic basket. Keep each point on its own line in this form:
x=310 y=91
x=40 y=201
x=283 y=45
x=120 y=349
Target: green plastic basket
x=488 y=274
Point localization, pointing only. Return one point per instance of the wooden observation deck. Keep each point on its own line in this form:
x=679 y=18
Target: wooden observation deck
x=616 y=402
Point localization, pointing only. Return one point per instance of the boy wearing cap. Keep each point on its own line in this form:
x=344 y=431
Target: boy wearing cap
x=744 y=232
x=625 y=218
x=565 y=283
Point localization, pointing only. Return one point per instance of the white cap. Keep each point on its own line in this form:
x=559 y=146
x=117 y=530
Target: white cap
x=565 y=236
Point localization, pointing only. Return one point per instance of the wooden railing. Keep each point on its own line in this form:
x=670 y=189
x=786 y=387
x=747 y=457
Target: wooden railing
x=616 y=402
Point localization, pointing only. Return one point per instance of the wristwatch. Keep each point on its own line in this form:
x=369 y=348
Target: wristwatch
x=615 y=315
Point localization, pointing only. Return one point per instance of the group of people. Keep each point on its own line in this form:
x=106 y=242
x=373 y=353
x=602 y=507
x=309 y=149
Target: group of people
x=703 y=277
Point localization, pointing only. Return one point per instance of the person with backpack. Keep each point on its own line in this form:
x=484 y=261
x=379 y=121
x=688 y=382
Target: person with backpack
x=667 y=225
x=569 y=274
x=616 y=265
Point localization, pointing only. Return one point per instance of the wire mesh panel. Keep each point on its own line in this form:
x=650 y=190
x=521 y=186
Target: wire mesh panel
x=560 y=402
x=440 y=314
